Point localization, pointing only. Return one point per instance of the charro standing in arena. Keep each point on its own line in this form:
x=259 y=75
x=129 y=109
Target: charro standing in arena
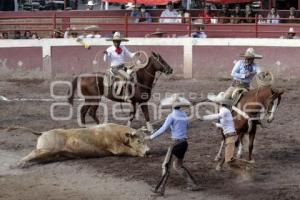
x=177 y=120
x=244 y=71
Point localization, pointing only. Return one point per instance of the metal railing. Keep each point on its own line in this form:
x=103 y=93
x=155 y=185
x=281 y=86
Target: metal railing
x=54 y=21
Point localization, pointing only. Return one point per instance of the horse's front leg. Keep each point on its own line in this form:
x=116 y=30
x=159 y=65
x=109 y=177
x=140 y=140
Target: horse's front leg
x=132 y=114
x=251 y=142
x=240 y=146
x=145 y=110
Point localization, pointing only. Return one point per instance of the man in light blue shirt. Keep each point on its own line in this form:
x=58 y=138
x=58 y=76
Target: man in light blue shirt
x=177 y=120
x=243 y=72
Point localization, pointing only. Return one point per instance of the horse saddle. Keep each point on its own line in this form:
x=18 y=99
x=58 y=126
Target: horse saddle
x=237 y=95
x=116 y=85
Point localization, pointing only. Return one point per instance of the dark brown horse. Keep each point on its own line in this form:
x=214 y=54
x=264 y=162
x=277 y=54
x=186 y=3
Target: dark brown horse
x=92 y=88
x=254 y=105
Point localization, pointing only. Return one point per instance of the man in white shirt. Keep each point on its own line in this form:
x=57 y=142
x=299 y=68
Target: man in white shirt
x=226 y=123
x=116 y=55
x=169 y=12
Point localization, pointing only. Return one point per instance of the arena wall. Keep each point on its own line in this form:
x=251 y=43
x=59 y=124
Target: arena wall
x=189 y=57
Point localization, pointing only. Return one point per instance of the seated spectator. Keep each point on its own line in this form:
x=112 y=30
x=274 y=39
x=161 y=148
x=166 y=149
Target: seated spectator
x=292 y=15
x=51 y=5
x=224 y=13
x=27 y=35
x=35 y=36
x=273 y=16
x=4 y=35
x=58 y=34
x=261 y=20
x=183 y=15
x=199 y=32
x=237 y=14
x=71 y=33
x=17 y=35
x=168 y=12
x=91 y=32
x=90 y=5
x=156 y=34
x=249 y=14
x=141 y=15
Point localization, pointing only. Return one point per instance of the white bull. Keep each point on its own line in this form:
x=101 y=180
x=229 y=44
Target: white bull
x=97 y=141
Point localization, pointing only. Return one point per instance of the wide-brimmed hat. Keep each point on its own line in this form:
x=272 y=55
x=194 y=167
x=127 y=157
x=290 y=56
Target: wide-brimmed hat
x=92 y=28
x=291 y=30
x=157 y=32
x=175 y=100
x=130 y=5
x=117 y=37
x=220 y=98
x=250 y=53
x=90 y=3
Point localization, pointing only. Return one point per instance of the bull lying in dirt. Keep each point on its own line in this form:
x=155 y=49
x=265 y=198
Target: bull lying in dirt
x=97 y=141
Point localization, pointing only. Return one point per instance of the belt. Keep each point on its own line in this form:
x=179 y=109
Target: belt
x=230 y=134
x=177 y=141
x=239 y=82
x=117 y=66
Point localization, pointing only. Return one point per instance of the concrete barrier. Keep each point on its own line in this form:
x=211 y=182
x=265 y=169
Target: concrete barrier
x=190 y=57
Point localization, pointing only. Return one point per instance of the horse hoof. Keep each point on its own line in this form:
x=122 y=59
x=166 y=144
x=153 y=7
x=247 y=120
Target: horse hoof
x=218 y=168
x=252 y=161
x=217 y=158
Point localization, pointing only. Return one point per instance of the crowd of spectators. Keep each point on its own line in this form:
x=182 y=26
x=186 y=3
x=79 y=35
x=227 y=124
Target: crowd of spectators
x=18 y=35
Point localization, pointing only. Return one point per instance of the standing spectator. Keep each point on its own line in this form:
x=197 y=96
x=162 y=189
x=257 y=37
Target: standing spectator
x=92 y=32
x=237 y=14
x=27 y=35
x=206 y=15
x=199 y=32
x=273 y=16
x=17 y=35
x=249 y=14
x=90 y=5
x=292 y=15
x=290 y=35
x=141 y=15
x=169 y=12
x=224 y=13
x=183 y=15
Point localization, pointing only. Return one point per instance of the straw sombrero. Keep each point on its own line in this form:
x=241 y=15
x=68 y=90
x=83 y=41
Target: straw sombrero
x=92 y=28
x=175 y=101
x=291 y=31
x=117 y=37
x=250 y=53
x=220 y=98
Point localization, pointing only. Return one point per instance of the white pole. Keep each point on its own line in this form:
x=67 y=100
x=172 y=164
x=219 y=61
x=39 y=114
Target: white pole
x=106 y=5
x=188 y=6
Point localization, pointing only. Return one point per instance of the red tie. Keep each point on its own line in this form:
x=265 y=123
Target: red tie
x=118 y=50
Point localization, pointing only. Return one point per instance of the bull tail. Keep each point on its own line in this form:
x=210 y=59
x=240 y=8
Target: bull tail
x=72 y=91
x=24 y=128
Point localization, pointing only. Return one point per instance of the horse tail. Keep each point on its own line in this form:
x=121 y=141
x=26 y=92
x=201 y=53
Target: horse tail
x=72 y=91
x=23 y=128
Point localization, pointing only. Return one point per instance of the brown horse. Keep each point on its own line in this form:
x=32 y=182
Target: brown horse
x=253 y=105
x=92 y=88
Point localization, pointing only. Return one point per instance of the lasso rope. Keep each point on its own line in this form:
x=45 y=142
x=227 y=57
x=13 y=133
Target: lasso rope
x=265 y=78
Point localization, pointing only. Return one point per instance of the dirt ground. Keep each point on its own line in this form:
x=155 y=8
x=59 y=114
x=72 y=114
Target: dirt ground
x=277 y=153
